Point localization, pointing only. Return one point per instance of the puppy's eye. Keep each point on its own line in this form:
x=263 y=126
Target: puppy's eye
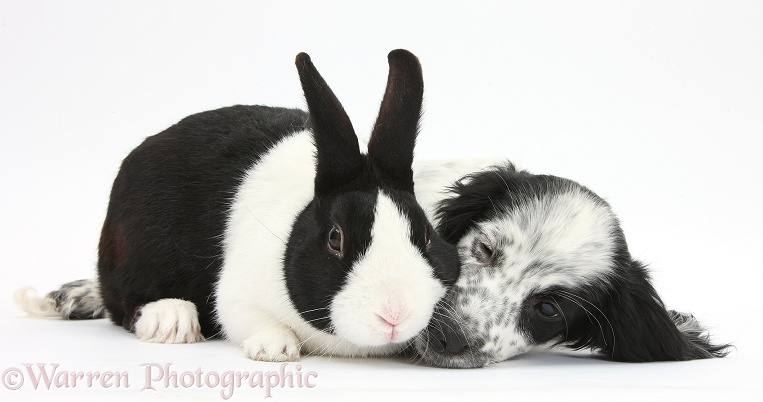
x=547 y=309
x=336 y=241
x=484 y=252
x=427 y=238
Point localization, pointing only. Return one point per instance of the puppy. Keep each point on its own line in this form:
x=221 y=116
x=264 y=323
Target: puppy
x=543 y=262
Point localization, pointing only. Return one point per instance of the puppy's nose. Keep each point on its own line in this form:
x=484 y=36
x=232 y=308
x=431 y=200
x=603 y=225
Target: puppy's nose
x=446 y=336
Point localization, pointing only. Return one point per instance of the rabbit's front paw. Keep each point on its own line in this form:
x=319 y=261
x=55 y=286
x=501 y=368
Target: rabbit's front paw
x=168 y=321
x=274 y=344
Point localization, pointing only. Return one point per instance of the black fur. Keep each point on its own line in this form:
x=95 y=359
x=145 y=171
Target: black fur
x=163 y=229
x=339 y=158
x=635 y=325
x=393 y=156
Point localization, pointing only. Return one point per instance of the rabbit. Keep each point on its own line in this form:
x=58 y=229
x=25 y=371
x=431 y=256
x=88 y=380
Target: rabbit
x=267 y=226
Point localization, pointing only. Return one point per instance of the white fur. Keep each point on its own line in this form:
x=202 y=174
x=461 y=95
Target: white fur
x=573 y=233
x=273 y=344
x=77 y=299
x=29 y=301
x=251 y=293
x=253 y=304
x=168 y=321
x=386 y=295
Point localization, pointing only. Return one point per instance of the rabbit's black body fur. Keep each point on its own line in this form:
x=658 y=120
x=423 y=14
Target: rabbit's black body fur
x=171 y=197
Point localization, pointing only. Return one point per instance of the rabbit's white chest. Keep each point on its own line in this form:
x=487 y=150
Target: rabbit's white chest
x=273 y=192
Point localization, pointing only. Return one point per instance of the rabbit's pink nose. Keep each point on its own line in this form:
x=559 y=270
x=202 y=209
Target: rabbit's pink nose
x=389 y=321
x=391 y=330
x=393 y=314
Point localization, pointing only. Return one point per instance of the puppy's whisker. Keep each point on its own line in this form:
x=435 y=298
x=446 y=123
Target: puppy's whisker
x=566 y=324
x=612 y=327
x=454 y=318
x=588 y=312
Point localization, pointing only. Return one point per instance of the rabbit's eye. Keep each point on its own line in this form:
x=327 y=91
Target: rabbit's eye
x=336 y=241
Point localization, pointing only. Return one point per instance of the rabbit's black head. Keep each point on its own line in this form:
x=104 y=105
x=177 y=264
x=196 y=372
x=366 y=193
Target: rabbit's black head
x=362 y=261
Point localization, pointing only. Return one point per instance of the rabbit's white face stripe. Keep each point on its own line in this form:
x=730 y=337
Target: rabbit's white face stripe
x=388 y=294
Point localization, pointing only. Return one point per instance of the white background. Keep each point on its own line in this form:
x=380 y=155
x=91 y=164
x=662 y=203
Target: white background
x=656 y=106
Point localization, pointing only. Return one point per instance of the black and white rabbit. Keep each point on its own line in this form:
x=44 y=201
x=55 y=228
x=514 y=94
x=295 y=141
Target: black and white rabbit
x=269 y=227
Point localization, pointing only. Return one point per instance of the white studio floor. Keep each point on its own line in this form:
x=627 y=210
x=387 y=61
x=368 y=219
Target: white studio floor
x=96 y=347
x=657 y=107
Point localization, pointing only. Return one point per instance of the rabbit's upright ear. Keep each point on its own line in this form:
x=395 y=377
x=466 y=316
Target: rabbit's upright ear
x=338 y=155
x=394 y=136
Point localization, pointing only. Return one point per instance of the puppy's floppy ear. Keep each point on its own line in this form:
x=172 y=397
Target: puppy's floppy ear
x=337 y=151
x=394 y=135
x=644 y=330
x=456 y=214
x=471 y=200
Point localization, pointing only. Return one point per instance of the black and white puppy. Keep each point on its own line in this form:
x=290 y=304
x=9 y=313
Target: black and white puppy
x=544 y=262
x=269 y=226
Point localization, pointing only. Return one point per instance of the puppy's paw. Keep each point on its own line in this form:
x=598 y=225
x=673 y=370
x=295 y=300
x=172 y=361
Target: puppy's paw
x=273 y=344
x=168 y=321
